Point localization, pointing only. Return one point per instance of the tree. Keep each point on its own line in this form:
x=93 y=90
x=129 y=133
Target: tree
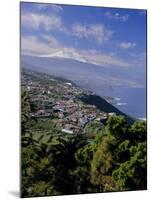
x=117 y=126
x=119 y=163
x=82 y=176
x=132 y=174
x=25 y=109
x=137 y=131
x=103 y=163
x=47 y=167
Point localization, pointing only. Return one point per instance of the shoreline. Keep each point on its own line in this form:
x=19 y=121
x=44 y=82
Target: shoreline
x=113 y=101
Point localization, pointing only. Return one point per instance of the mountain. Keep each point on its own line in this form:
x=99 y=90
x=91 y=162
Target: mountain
x=90 y=76
x=65 y=54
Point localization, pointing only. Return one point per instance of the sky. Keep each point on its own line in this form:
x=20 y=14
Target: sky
x=101 y=36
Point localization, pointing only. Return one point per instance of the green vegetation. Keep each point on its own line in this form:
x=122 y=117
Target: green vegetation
x=92 y=129
x=119 y=163
x=53 y=163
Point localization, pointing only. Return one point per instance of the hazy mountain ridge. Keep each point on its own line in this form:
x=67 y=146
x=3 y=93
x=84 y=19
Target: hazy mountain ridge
x=81 y=72
x=117 y=82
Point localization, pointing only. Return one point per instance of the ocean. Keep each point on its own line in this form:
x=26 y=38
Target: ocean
x=131 y=101
x=126 y=86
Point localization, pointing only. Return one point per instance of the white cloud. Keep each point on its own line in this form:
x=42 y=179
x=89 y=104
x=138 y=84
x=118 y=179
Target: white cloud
x=95 y=31
x=127 y=45
x=98 y=58
x=52 y=7
x=56 y=8
x=40 y=6
x=49 y=39
x=35 y=21
x=117 y=16
x=32 y=45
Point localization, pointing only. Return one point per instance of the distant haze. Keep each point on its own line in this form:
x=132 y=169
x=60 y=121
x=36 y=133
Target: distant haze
x=101 y=80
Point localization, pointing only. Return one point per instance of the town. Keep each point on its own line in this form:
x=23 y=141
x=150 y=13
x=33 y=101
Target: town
x=58 y=100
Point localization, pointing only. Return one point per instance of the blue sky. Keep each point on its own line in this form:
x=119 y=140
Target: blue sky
x=101 y=36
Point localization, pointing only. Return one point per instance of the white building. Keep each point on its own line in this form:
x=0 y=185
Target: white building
x=67 y=131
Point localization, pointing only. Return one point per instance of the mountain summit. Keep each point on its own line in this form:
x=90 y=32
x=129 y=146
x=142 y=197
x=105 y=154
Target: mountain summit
x=66 y=53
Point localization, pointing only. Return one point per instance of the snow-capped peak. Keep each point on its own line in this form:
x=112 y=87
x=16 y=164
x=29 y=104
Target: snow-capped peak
x=66 y=53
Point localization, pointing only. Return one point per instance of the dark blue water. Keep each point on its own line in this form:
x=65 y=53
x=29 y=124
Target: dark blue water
x=131 y=101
